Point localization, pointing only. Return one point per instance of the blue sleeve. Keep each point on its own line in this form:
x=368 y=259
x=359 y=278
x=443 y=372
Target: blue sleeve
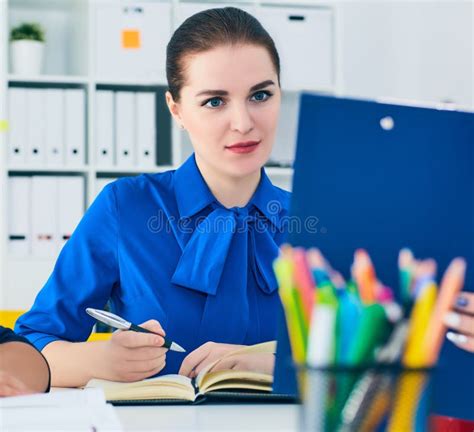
x=84 y=275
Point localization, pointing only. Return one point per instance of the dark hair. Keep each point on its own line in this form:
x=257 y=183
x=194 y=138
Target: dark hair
x=207 y=30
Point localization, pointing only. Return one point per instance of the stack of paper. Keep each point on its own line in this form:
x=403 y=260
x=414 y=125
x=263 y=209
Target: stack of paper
x=62 y=410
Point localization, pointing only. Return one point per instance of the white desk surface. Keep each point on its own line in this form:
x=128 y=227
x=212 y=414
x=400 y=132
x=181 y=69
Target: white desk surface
x=190 y=418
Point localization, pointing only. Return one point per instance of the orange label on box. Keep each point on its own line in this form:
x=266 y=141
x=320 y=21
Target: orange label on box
x=130 y=39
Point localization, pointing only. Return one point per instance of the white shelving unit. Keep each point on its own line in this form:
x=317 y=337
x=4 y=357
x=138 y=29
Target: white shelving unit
x=70 y=60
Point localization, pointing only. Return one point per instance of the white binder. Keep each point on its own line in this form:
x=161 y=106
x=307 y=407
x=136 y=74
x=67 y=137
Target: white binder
x=75 y=104
x=17 y=117
x=54 y=113
x=125 y=128
x=44 y=194
x=131 y=39
x=19 y=213
x=36 y=127
x=146 y=129
x=70 y=206
x=105 y=128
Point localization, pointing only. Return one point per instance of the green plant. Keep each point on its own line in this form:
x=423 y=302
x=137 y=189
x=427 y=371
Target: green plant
x=29 y=31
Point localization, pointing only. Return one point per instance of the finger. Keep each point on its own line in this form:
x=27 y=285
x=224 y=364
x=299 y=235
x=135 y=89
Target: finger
x=139 y=376
x=461 y=341
x=131 y=339
x=213 y=355
x=15 y=383
x=144 y=353
x=460 y=322
x=144 y=366
x=226 y=364
x=465 y=302
x=194 y=359
x=154 y=326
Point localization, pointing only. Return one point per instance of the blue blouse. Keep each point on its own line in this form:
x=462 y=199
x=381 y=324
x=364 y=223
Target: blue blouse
x=162 y=247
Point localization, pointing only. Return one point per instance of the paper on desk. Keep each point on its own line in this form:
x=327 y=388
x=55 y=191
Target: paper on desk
x=60 y=418
x=57 y=397
x=60 y=410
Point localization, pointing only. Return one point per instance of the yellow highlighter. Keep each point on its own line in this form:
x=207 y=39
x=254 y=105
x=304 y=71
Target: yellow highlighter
x=284 y=274
x=420 y=317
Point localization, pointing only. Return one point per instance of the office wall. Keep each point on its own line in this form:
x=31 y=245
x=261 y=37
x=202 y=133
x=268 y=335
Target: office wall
x=421 y=50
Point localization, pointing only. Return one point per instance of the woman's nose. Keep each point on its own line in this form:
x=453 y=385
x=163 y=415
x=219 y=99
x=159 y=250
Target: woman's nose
x=241 y=120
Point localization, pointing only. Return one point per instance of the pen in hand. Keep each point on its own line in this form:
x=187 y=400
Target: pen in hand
x=119 y=323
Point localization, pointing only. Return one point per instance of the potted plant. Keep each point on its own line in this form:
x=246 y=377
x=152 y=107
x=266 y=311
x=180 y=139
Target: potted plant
x=27 y=46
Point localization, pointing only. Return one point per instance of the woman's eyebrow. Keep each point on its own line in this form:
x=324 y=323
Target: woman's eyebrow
x=225 y=92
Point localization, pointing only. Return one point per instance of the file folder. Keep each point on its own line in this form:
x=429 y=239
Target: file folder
x=146 y=129
x=70 y=206
x=54 y=113
x=44 y=216
x=105 y=128
x=125 y=128
x=75 y=137
x=35 y=127
x=17 y=116
x=19 y=213
x=383 y=177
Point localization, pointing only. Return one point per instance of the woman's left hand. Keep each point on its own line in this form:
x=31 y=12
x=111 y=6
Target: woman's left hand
x=211 y=351
x=461 y=320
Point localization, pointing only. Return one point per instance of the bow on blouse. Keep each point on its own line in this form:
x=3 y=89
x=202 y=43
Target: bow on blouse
x=216 y=261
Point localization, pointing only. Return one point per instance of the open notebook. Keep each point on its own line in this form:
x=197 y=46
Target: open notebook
x=216 y=385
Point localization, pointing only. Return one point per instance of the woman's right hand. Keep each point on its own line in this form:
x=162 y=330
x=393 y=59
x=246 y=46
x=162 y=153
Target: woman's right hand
x=133 y=356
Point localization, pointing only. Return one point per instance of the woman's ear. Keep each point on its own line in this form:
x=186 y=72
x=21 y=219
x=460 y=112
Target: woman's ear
x=174 y=109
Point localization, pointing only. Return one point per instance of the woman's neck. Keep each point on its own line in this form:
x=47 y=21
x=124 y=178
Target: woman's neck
x=229 y=191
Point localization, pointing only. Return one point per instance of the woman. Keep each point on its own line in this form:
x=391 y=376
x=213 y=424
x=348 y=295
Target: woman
x=188 y=251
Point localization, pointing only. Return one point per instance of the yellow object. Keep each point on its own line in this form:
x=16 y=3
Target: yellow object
x=131 y=39
x=3 y=125
x=8 y=319
x=415 y=355
x=410 y=388
x=96 y=337
x=284 y=273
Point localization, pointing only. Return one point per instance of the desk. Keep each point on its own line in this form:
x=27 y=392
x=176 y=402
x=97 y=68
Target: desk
x=190 y=418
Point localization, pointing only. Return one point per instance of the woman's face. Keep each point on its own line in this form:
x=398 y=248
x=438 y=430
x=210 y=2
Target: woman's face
x=229 y=105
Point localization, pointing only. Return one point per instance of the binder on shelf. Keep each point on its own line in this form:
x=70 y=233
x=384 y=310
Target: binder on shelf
x=17 y=116
x=105 y=128
x=75 y=109
x=19 y=213
x=35 y=127
x=131 y=39
x=44 y=216
x=146 y=129
x=70 y=205
x=54 y=135
x=125 y=128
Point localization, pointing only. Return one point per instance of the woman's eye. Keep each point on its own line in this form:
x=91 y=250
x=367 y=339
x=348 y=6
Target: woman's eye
x=261 y=96
x=214 y=103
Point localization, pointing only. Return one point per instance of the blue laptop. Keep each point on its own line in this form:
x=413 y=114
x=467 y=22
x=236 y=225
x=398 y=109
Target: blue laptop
x=383 y=177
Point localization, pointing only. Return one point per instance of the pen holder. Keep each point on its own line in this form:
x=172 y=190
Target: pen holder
x=373 y=398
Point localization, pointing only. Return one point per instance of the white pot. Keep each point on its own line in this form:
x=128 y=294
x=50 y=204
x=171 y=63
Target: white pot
x=27 y=57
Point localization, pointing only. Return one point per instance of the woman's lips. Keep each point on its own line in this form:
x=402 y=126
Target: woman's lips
x=243 y=147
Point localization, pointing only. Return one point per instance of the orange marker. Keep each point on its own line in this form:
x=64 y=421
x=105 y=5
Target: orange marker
x=363 y=273
x=304 y=282
x=452 y=283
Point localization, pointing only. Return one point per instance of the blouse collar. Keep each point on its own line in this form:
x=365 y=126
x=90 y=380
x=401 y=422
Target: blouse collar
x=193 y=194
